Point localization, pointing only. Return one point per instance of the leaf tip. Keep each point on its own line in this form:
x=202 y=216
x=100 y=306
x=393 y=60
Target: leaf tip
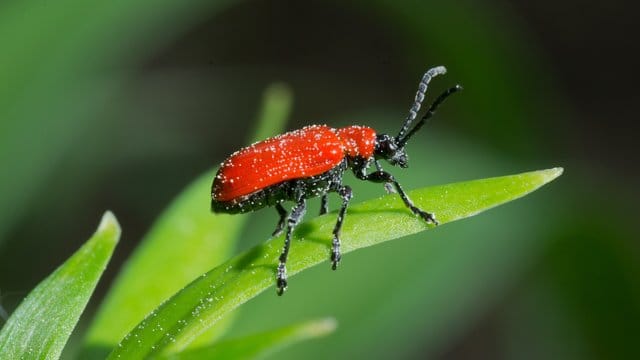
x=553 y=173
x=109 y=223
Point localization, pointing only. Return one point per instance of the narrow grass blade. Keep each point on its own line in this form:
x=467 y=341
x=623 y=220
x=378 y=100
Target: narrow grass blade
x=191 y=311
x=259 y=345
x=185 y=242
x=277 y=102
x=42 y=324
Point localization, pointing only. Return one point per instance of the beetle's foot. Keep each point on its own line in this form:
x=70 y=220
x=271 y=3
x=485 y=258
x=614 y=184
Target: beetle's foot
x=282 y=286
x=281 y=280
x=429 y=217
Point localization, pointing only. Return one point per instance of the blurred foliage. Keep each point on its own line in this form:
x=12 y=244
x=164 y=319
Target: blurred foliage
x=555 y=275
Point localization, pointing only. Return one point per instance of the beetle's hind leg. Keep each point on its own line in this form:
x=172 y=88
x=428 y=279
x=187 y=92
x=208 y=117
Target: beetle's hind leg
x=292 y=221
x=283 y=217
x=346 y=194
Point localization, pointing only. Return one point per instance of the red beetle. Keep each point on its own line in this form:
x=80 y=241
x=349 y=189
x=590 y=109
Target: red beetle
x=310 y=162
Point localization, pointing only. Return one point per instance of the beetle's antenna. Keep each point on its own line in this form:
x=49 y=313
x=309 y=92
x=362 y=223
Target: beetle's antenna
x=422 y=88
x=429 y=114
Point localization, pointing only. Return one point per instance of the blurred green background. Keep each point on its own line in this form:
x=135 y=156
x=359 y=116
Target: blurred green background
x=119 y=104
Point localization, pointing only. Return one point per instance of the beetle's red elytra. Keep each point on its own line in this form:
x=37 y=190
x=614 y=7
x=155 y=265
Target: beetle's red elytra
x=309 y=151
x=311 y=162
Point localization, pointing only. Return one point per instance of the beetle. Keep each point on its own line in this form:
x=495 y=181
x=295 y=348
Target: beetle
x=310 y=162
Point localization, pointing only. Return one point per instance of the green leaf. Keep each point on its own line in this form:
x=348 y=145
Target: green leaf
x=176 y=323
x=259 y=345
x=277 y=102
x=42 y=324
x=186 y=241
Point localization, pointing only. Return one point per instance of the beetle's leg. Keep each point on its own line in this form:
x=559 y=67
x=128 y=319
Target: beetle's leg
x=292 y=221
x=346 y=194
x=283 y=216
x=383 y=176
x=324 y=204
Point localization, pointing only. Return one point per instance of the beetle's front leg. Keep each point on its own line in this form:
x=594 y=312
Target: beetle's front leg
x=388 y=187
x=383 y=176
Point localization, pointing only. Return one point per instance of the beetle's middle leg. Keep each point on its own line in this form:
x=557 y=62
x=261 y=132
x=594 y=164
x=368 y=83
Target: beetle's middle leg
x=292 y=221
x=346 y=194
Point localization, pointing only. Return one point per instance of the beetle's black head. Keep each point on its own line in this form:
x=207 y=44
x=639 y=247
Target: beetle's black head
x=387 y=148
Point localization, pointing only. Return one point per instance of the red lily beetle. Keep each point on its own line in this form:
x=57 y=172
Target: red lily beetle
x=311 y=162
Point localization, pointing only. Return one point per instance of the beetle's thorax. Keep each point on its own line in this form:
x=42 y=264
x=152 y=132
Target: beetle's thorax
x=358 y=141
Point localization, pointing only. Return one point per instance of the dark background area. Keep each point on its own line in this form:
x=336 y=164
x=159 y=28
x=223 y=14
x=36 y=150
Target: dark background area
x=546 y=84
